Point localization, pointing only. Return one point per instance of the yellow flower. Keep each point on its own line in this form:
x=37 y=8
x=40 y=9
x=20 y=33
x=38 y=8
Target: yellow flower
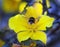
x=31 y=25
x=10 y=5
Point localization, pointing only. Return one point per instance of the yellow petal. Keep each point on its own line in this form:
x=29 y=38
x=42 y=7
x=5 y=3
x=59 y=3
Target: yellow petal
x=22 y=36
x=22 y=6
x=39 y=8
x=1 y=43
x=33 y=12
x=39 y=1
x=48 y=3
x=45 y=21
x=17 y=23
x=38 y=35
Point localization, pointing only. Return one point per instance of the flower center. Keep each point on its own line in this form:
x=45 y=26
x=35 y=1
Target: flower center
x=31 y=20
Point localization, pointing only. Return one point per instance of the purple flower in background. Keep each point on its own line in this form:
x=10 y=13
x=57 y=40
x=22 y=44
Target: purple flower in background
x=4 y=20
x=53 y=34
x=57 y=2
